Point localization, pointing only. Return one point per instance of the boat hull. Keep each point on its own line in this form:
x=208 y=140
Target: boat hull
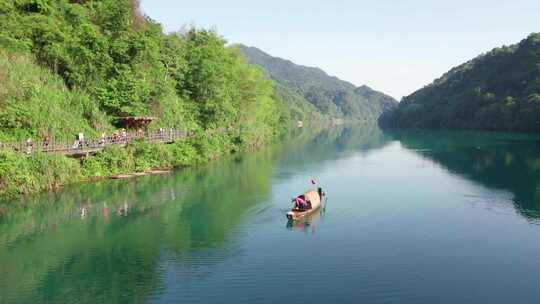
x=294 y=215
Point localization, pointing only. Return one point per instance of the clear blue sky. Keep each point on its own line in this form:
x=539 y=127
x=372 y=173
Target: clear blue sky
x=393 y=46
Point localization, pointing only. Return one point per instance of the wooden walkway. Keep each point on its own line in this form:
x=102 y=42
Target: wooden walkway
x=90 y=146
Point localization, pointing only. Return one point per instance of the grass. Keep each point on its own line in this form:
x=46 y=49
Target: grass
x=36 y=103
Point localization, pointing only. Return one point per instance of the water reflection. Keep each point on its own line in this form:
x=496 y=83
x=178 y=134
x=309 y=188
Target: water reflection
x=105 y=242
x=113 y=241
x=499 y=161
x=126 y=241
x=308 y=224
x=308 y=150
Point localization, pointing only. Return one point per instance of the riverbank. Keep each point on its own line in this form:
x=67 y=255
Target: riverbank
x=26 y=175
x=29 y=174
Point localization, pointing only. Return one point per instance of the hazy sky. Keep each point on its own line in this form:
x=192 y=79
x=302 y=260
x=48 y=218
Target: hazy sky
x=393 y=46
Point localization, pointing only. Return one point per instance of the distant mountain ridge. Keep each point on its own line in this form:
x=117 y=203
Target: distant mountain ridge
x=325 y=94
x=496 y=91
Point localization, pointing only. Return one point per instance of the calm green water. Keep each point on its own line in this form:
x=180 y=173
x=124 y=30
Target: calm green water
x=412 y=217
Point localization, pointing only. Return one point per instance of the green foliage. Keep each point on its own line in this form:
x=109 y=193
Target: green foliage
x=34 y=102
x=296 y=107
x=75 y=66
x=140 y=156
x=123 y=62
x=497 y=91
x=184 y=154
x=305 y=87
x=112 y=160
x=148 y=156
x=21 y=174
x=208 y=77
x=124 y=94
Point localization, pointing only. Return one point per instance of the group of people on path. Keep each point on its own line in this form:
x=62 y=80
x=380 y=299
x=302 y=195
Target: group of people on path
x=117 y=137
x=79 y=142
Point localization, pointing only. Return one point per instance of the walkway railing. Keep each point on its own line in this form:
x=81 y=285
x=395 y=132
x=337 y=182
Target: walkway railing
x=97 y=144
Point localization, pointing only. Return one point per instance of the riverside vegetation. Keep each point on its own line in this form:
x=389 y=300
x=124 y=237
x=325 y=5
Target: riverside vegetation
x=72 y=66
x=76 y=66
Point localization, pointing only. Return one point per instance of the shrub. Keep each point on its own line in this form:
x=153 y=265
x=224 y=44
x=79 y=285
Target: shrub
x=21 y=174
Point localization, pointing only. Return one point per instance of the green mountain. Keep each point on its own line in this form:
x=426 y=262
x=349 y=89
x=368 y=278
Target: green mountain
x=498 y=91
x=329 y=95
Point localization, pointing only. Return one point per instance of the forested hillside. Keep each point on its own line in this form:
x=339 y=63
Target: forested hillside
x=90 y=62
x=329 y=95
x=497 y=91
x=70 y=67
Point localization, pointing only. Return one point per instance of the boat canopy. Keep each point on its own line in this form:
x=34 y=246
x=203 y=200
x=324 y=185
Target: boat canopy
x=313 y=197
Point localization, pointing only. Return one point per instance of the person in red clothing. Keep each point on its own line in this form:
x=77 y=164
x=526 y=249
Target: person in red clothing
x=300 y=202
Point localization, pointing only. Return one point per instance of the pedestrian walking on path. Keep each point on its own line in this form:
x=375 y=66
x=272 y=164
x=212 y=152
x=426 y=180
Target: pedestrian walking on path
x=29 y=144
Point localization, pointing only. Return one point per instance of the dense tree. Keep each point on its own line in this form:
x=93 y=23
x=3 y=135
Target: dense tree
x=121 y=63
x=77 y=66
x=499 y=91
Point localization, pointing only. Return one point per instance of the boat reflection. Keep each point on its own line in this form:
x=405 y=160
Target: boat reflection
x=308 y=224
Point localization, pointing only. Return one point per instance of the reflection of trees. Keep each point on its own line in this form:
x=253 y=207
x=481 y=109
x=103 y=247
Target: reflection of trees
x=329 y=144
x=53 y=252
x=114 y=252
x=111 y=256
x=502 y=161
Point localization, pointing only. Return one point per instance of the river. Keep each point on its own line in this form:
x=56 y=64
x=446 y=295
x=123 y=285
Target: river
x=411 y=217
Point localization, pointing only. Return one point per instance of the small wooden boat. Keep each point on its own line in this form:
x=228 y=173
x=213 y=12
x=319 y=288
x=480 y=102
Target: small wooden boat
x=313 y=200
